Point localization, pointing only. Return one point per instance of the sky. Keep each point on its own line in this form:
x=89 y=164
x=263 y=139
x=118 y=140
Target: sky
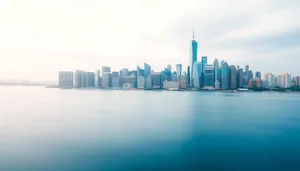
x=38 y=38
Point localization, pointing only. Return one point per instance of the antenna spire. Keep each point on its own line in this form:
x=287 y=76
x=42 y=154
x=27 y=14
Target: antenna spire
x=193 y=34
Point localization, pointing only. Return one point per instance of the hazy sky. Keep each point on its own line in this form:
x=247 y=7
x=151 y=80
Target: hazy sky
x=40 y=37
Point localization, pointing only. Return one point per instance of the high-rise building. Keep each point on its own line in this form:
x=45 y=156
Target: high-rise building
x=197 y=75
x=178 y=70
x=124 y=72
x=141 y=82
x=79 y=79
x=169 y=67
x=65 y=79
x=224 y=75
x=284 y=80
x=98 y=81
x=216 y=70
x=204 y=63
x=258 y=75
x=140 y=71
x=183 y=82
x=217 y=85
x=189 y=74
x=246 y=76
x=147 y=69
x=247 y=68
x=129 y=80
x=239 y=78
x=233 y=74
x=106 y=80
x=297 y=81
x=105 y=69
x=194 y=55
x=140 y=78
x=208 y=76
x=167 y=75
x=89 y=79
x=250 y=75
x=174 y=76
x=148 y=82
x=156 y=80
x=116 y=81
x=270 y=78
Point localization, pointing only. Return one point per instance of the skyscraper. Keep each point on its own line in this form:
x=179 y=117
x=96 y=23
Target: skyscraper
x=178 y=70
x=147 y=69
x=270 y=78
x=141 y=82
x=106 y=80
x=216 y=70
x=197 y=75
x=115 y=80
x=124 y=72
x=258 y=75
x=194 y=51
x=98 y=79
x=156 y=80
x=224 y=75
x=148 y=82
x=208 y=76
x=169 y=67
x=298 y=81
x=129 y=80
x=204 y=63
x=79 y=79
x=189 y=75
x=246 y=76
x=174 y=76
x=239 y=78
x=284 y=80
x=183 y=82
x=65 y=79
x=89 y=79
x=140 y=71
x=233 y=82
x=105 y=69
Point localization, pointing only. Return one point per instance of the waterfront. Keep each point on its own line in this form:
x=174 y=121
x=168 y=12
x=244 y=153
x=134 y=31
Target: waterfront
x=69 y=129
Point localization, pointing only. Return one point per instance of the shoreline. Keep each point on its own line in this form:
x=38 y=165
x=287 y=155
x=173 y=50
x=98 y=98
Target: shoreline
x=178 y=90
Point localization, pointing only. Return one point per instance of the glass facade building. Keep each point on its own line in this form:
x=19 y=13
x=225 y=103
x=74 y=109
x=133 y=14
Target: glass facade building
x=208 y=76
x=147 y=69
x=224 y=76
x=194 y=55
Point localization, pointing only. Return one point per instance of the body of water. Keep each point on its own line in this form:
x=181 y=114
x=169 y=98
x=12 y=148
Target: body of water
x=80 y=130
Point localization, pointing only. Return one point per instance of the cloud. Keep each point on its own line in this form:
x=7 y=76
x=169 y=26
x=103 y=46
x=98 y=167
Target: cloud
x=38 y=38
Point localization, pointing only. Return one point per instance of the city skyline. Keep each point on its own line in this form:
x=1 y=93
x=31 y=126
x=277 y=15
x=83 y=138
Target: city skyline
x=199 y=75
x=86 y=35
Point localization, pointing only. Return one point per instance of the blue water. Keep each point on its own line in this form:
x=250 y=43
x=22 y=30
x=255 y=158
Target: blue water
x=81 y=130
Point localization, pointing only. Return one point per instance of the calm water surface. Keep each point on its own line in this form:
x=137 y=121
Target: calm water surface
x=81 y=130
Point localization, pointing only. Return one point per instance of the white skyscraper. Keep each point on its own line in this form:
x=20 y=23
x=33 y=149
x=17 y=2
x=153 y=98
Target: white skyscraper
x=169 y=67
x=65 y=79
x=284 y=80
x=216 y=70
x=178 y=70
x=79 y=79
x=197 y=75
x=270 y=78
x=105 y=69
x=97 y=79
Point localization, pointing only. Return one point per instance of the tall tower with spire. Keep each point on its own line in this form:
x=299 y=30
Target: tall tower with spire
x=194 y=51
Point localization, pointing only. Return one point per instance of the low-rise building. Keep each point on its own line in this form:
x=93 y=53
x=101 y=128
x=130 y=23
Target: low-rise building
x=171 y=85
